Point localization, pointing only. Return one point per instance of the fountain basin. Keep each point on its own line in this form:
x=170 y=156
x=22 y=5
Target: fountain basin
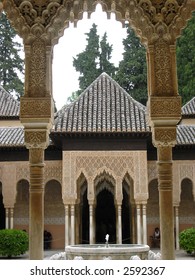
x=113 y=251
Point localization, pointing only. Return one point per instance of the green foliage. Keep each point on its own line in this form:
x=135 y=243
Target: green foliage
x=13 y=242
x=132 y=72
x=187 y=240
x=94 y=60
x=186 y=61
x=11 y=64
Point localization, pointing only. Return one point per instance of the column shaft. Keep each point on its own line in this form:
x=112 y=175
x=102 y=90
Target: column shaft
x=72 y=224
x=144 y=237
x=66 y=225
x=91 y=224
x=177 y=227
x=119 y=225
x=138 y=208
x=166 y=202
x=36 y=215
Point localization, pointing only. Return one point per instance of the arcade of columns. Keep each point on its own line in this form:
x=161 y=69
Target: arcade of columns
x=158 y=23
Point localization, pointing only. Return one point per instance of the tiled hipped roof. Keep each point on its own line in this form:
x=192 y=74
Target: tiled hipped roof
x=189 y=108
x=186 y=135
x=103 y=107
x=9 y=107
x=11 y=136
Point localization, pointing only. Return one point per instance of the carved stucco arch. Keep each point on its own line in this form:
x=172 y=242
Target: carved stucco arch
x=51 y=18
x=180 y=187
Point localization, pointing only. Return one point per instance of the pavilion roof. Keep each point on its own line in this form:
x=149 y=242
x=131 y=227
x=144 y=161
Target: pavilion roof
x=189 y=108
x=103 y=107
x=9 y=106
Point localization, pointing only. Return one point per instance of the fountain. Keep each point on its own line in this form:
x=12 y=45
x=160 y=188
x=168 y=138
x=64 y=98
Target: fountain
x=106 y=251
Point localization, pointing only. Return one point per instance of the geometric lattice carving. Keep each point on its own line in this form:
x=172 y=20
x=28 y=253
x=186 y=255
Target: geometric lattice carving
x=186 y=171
x=114 y=164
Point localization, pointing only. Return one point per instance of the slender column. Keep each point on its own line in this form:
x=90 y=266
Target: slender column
x=72 y=224
x=119 y=219
x=138 y=211
x=66 y=225
x=36 y=215
x=91 y=224
x=11 y=218
x=166 y=202
x=144 y=237
x=177 y=227
x=7 y=218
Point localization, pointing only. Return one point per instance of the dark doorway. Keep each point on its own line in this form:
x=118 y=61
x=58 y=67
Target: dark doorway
x=2 y=210
x=85 y=219
x=105 y=217
x=126 y=238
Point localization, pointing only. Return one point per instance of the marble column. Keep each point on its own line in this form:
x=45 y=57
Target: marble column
x=119 y=224
x=176 y=227
x=91 y=224
x=72 y=224
x=144 y=221
x=11 y=218
x=66 y=225
x=138 y=212
x=7 y=218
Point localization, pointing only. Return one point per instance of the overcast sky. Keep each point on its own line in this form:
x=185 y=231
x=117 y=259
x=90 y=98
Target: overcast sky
x=65 y=77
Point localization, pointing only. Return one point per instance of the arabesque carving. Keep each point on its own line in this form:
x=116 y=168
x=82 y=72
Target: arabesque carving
x=170 y=106
x=33 y=108
x=37 y=71
x=164 y=136
x=36 y=139
x=150 y=19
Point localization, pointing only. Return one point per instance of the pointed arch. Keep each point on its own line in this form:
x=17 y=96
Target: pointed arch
x=187 y=204
x=104 y=180
x=83 y=207
x=21 y=207
x=153 y=219
x=54 y=213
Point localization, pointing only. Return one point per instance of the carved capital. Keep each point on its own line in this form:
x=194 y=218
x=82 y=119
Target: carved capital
x=164 y=136
x=36 y=138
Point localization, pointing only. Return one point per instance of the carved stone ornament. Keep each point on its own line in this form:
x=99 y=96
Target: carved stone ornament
x=36 y=107
x=164 y=110
x=36 y=139
x=150 y=19
x=164 y=136
x=166 y=106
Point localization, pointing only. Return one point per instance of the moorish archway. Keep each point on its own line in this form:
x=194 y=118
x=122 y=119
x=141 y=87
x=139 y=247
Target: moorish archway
x=158 y=24
x=187 y=205
x=54 y=213
x=21 y=207
x=105 y=214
